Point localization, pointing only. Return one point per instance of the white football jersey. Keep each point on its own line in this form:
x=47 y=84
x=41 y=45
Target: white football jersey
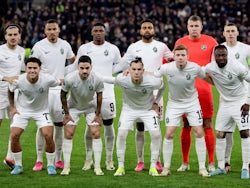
x=152 y=54
x=53 y=56
x=181 y=82
x=104 y=58
x=138 y=96
x=82 y=92
x=229 y=79
x=33 y=97
x=10 y=62
x=240 y=52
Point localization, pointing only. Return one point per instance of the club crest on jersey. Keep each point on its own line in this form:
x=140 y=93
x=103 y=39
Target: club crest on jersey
x=204 y=47
x=188 y=76
x=237 y=56
x=155 y=49
x=167 y=120
x=144 y=91
x=19 y=57
x=62 y=51
x=229 y=76
x=106 y=52
x=91 y=88
x=41 y=90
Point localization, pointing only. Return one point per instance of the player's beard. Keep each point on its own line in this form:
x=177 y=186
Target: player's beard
x=147 y=37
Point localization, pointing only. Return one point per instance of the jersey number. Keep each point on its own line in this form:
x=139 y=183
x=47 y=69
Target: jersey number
x=112 y=107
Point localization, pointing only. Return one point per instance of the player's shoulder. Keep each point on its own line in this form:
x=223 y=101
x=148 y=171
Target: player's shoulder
x=208 y=38
x=110 y=45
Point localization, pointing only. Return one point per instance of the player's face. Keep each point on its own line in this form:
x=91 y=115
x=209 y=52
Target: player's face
x=180 y=57
x=136 y=71
x=147 y=31
x=84 y=70
x=12 y=37
x=52 y=31
x=194 y=29
x=32 y=70
x=98 y=33
x=220 y=56
x=230 y=33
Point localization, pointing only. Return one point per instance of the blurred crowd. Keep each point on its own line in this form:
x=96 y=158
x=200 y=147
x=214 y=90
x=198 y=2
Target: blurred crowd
x=122 y=19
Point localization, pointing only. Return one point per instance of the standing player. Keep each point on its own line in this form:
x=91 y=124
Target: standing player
x=138 y=103
x=31 y=103
x=200 y=49
x=228 y=75
x=82 y=84
x=104 y=56
x=152 y=53
x=239 y=52
x=182 y=99
x=53 y=53
x=11 y=59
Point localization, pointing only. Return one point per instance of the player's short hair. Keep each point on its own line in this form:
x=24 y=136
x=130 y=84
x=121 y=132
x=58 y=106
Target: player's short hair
x=84 y=59
x=180 y=47
x=194 y=18
x=220 y=46
x=33 y=60
x=51 y=21
x=146 y=20
x=230 y=24
x=137 y=60
x=12 y=26
x=99 y=24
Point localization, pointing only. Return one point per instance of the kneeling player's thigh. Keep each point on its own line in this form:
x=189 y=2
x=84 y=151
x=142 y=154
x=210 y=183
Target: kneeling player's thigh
x=108 y=109
x=151 y=120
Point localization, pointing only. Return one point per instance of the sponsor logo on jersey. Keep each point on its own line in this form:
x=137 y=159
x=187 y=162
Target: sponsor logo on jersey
x=19 y=57
x=138 y=50
x=46 y=52
x=62 y=51
x=188 y=76
x=237 y=56
x=88 y=52
x=155 y=49
x=106 y=52
x=204 y=47
x=6 y=58
x=32 y=51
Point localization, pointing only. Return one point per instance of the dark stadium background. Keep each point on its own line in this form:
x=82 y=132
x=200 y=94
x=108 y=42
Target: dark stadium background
x=122 y=18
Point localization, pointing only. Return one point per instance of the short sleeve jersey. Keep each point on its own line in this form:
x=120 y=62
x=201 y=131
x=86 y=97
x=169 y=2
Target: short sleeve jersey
x=82 y=92
x=103 y=57
x=181 y=81
x=53 y=56
x=240 y=52
x=200 y=51
x=10 y=62
x=33 y=97
x=229 y=79
x=138 y=96
x=152 y=54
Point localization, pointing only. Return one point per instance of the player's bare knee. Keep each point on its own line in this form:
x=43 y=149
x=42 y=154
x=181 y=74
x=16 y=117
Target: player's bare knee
x=140 y=126
x=107 y=122
x=96 y=135
x=244 y=133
